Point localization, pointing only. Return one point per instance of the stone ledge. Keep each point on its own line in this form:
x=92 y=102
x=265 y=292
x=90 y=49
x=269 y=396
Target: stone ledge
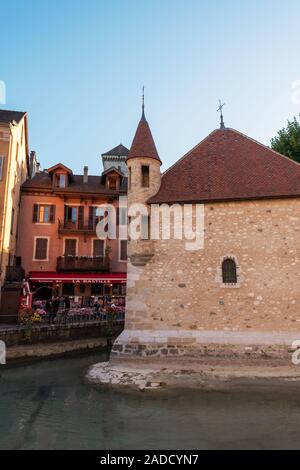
x=164 y=376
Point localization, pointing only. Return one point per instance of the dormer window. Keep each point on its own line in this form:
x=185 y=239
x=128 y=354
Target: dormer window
x=61 y=181
x=112 y=182
x=61 y=175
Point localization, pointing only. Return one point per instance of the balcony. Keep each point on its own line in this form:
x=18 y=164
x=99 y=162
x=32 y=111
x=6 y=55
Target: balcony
x=68 y=226
x=14 y=274
x=82 y=264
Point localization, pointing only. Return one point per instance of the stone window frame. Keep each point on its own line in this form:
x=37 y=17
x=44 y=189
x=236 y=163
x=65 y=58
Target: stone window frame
x=219 y=276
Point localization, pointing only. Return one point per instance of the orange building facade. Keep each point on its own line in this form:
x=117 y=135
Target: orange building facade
x=58 y=245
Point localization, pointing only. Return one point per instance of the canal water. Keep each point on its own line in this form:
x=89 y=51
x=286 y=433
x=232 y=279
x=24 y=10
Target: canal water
x=48 y=405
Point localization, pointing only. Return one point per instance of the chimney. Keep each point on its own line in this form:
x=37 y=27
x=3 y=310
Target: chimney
x=86 y=174
x=38 y=167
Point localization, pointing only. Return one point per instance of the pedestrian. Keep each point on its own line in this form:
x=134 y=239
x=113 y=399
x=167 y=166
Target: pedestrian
x=55 y=307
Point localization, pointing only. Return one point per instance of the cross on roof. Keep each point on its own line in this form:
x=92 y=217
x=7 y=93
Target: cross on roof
x=220 y=110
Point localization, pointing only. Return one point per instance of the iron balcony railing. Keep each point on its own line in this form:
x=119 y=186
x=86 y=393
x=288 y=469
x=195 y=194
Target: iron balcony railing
x=75 y=263
x=75 y=226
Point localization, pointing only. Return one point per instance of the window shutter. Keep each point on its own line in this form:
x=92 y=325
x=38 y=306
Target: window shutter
x=41 y=248
x=91 y=217
x=35 y=213
x=70 y=247
x=98 y=248
x=118 y=216
x=80 y=217
x=52 y=214
x=123 y=249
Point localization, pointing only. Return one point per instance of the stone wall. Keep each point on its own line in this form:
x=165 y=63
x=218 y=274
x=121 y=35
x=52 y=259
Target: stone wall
x=182 y=291
x=52 y=334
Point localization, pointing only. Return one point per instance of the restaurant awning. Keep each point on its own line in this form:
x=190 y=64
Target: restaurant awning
x=108 y=278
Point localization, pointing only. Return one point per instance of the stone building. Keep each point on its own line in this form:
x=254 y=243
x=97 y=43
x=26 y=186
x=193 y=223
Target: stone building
x=14 y=170
x=116 y=158
x=242 y=287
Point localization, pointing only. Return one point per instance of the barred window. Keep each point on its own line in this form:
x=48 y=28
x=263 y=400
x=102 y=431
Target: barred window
x=229 y=271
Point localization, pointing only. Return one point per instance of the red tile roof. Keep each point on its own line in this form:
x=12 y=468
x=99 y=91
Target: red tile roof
x=143 y=144
x=228 y=165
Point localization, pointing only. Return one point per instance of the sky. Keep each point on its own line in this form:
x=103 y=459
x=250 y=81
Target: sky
x=78 y=67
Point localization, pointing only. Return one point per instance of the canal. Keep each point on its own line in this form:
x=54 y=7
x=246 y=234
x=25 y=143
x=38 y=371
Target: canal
x=48 y=405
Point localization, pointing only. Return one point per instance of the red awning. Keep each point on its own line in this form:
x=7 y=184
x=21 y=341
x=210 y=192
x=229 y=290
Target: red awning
x=109 y=278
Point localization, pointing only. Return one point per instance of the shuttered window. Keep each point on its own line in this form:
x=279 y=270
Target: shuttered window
x=98 y=248
x=80 y=217
x=41 y=248
x=123 y=250
x=229 y=271
x=43 y=213
x=96 y=214
x=70 y=247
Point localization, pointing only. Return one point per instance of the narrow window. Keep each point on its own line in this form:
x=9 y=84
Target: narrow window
x=123 y=250
x=129 y=178
x=70 y=247
x=41 y=248
x=229 y=271
x=12 y=221
x=1 y=166
x=145 y=227
x=61 y=180
x=145 y=176
x=71 y=216
x=123 y=216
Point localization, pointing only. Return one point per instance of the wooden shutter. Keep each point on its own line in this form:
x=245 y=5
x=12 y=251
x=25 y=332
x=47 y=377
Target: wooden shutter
x=80 y=217
x=118 y=216
x=91 y=217
x=98 y=248
x=123 y=249
x=35 y=213
x=52 y=214
x=70 y=247
x=41 y=246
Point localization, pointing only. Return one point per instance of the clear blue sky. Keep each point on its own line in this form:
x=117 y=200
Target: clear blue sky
x=78 y=68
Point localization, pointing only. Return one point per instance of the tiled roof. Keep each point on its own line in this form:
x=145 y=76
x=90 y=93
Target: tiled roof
x=143 y=144
x=95 y=185
x=119 y=151
x=9 y=116
x=228 y=165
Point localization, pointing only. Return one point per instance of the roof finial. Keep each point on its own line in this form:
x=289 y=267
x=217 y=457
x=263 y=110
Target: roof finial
x=220 y=110
x=143 y=105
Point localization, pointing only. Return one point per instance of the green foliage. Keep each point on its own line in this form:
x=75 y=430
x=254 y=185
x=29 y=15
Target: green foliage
x=28 y=317
x=287 y=142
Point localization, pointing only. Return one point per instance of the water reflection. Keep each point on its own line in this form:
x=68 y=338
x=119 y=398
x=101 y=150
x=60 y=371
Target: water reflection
x=47 y=405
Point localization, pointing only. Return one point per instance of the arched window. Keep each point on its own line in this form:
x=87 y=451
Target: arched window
x=229 y=271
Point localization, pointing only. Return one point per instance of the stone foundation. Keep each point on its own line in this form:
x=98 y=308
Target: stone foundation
x=201 y=344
